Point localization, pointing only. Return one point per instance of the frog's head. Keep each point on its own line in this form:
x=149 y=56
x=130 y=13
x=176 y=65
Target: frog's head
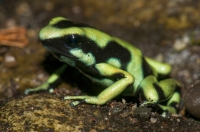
x=66 y=41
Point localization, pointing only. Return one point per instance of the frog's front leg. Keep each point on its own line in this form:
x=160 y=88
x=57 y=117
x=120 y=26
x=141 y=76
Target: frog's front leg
x=53 y=78
x=123 y=80
x=155 y=92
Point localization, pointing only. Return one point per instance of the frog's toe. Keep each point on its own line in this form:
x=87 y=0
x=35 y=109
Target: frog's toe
x=74 y=103
x=27 y=91
x=148 y=104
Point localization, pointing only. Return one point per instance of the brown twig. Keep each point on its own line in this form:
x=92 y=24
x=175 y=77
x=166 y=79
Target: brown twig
x=15 y=36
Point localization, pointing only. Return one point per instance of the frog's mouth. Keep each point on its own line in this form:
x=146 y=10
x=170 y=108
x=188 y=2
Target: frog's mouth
x=59 y=54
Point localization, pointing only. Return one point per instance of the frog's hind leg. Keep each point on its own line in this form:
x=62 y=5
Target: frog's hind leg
x=155 y=92
x=172 y=103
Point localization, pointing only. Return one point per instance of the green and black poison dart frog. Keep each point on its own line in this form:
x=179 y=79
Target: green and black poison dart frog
x=110 y=61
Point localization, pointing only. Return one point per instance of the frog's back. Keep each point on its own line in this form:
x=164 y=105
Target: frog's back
x=137 y=65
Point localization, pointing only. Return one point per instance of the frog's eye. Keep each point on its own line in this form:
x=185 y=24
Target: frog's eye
x=73 y=41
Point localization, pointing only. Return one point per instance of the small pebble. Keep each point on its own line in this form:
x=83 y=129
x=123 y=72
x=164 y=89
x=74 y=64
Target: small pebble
x=10 y=61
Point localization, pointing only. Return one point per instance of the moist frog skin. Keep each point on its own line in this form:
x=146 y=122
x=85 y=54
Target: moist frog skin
x=114 y=63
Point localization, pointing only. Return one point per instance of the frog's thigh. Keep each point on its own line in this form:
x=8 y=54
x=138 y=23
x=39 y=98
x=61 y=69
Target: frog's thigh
x=113 y=90
x=155 y=91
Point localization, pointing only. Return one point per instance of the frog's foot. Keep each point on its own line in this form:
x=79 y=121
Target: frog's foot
x=75 y=103
x=27 y=91
x=149 y=104
x=85 y=99
x=44 y=86
x=165 y=110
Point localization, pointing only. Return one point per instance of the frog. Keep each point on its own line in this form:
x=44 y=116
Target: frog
x=117 y=65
